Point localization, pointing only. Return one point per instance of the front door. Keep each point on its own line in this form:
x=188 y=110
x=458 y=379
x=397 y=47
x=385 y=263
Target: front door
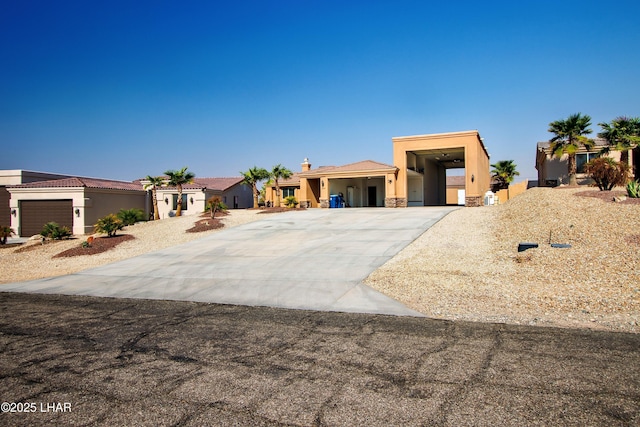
x=372 y=196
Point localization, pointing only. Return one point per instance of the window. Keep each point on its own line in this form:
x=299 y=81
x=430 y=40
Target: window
x=175 y=202
x=583 y=158
x=288 y=191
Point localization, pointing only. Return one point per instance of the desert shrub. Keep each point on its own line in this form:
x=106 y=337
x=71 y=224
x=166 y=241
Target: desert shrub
x=131 y=216
x=633 y=189
x=215 y=204
x=290 y=202
x=607 y=173
x=5 y=233
x=52 y=230
x=109 y=225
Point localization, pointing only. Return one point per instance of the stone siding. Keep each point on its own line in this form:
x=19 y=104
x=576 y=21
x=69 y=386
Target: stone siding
x=395 y=202
x=473 y=201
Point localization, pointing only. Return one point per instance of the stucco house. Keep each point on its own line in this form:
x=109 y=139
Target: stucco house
x=418 y=176
x=195 y=195
x=74 y=202
x=553 y=171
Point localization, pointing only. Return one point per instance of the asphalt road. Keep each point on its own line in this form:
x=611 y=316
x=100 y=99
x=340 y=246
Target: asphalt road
x=78 y=360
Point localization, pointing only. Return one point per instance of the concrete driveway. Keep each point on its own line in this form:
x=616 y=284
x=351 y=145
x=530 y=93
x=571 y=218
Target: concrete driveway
x=314 y=259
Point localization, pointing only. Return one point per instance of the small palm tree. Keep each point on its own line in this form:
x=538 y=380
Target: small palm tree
x=504 y=172
x=279 y=172
x=622 y=134
x=251 y=179
x=570 y=136
x=5 y=233
x=178 y=179
x=154 y=183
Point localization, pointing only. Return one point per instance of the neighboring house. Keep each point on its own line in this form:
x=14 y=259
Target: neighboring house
x=195 y=195
x=74 y=202
x=418 y=176
x=17 y=177
x=553 y=171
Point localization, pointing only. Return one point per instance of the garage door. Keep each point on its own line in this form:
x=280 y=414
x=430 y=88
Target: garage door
x=36 y=213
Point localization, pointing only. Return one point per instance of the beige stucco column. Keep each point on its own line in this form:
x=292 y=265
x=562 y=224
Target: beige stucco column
x=324 y=192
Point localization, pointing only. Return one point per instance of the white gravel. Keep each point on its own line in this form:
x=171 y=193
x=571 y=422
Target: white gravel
x=149 y=236
x=467 y=266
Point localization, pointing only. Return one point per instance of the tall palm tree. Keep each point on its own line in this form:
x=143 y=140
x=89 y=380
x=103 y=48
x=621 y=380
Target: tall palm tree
x=622 y=134
x=251 y=179
x=154 y=183
x=178 y=179
x=504 y=172
x=570 y=136
x=279 y=172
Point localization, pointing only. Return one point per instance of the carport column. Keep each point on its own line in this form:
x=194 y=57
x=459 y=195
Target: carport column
x=400 y=185
x=391 y=199
x=324 y=192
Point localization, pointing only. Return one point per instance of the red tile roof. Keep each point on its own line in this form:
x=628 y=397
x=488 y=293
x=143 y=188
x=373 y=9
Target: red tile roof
x=219 y=184
x=82 y=182
x=365 y=165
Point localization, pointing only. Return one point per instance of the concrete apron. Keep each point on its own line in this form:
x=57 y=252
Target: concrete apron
x=314 y=259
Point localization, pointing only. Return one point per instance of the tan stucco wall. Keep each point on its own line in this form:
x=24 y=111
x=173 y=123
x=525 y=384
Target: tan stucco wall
x=476 y=161
x=98 y=203
x=555 y=168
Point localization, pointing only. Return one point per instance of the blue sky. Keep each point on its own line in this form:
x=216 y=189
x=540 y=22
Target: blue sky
x=126 y=89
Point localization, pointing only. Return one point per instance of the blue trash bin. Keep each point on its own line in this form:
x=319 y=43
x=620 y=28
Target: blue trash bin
x=333 y=201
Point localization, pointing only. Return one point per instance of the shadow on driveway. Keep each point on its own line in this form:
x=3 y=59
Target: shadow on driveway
x=143 y=362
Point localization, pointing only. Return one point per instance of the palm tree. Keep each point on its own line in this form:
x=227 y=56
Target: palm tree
x=504 y=172
x=251 y=179
x=279 y=172
x=154 y=183
x=5 y=233
x=622 y=134
x=178 y=179
x=569 y=138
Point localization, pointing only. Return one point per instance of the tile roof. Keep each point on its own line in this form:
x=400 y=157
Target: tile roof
x=75 y=182
x=456 y=181
x=365 y=165
x=599 y=142
x=219 y=184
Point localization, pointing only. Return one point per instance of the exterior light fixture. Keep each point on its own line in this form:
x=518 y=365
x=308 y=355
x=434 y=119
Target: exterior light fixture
x=390 y=181
x=77 y=211
x=13 y=212
x=473 y=178
x=322 y=181
x=191 y=200
x=166 y=200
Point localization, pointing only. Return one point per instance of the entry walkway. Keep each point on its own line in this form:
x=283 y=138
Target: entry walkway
x=314 y=259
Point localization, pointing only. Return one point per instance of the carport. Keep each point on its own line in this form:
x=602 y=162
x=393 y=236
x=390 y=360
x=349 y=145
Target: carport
x=423 y=161
x=362 y=184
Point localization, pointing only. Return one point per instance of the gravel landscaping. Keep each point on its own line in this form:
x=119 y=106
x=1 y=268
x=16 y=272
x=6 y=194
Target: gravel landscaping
x=467 y=266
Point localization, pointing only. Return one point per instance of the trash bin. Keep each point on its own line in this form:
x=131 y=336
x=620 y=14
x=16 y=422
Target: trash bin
x=333 y=201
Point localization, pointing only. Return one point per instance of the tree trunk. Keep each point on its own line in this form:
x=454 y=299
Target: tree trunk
x=156 y=214
x=179 y=207
x=571 y=166
x=277 y=204
x=255 y=196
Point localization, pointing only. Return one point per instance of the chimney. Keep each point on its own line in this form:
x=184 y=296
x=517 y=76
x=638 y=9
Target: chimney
x=306 y=166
